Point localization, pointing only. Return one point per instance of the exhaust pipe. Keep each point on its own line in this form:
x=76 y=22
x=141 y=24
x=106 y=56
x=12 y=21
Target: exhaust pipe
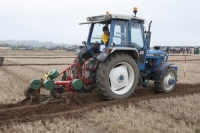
x=148 y=36
x=149 y=26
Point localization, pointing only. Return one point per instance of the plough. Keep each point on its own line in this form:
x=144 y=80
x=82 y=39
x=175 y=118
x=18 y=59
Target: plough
x=74 y=78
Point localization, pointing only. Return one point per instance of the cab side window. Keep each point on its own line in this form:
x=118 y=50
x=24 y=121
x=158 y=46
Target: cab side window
x=120 y=33
x=136 y=35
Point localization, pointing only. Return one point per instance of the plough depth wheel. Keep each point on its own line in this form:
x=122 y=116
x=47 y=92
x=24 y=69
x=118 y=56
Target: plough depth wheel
x=29 y=92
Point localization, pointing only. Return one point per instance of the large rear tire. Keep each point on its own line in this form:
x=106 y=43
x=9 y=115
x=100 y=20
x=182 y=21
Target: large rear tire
x=117 y=77
x=168 y=81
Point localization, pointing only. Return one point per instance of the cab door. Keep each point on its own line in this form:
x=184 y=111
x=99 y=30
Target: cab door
x=120 y=34
x=137 y=41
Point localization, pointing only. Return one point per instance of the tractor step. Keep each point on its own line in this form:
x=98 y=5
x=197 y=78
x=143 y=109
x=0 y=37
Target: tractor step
x=146 y=84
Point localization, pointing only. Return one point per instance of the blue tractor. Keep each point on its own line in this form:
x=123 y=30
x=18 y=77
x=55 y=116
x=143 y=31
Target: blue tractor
x=126 y=60
x=114 y=67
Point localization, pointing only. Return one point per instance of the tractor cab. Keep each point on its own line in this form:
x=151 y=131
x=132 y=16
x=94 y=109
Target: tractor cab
x=127 y=32
x=119 y=26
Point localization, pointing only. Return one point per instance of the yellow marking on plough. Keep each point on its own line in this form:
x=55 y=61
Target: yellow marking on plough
x=46 y=75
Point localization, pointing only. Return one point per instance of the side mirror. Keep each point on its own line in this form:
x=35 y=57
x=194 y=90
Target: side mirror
x=157 y=47
x=83 y=42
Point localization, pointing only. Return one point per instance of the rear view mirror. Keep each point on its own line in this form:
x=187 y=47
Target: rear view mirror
x=83 y=42
x=157 y=47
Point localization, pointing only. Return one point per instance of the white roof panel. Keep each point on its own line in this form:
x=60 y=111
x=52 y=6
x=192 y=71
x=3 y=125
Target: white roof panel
x=106 y=17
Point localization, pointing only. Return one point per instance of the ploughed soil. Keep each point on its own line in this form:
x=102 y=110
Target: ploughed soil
x=74 y=105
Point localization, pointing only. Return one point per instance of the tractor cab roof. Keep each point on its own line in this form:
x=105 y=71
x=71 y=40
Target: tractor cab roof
x=108 y=17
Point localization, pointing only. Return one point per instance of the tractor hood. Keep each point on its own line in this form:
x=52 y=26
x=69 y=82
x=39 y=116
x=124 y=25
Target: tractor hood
x=155 y=53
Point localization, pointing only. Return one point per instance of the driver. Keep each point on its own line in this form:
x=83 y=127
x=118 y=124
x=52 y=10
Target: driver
x=106 y=35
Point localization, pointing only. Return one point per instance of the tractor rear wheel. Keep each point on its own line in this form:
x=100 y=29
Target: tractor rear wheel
x=168 y=81
x=29 y=92
x=117 y=77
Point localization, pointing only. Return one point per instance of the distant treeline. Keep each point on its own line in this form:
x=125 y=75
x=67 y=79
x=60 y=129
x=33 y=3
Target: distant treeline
x=34 y=44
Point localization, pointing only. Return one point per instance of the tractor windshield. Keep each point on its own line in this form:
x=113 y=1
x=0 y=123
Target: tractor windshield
x=97 y=33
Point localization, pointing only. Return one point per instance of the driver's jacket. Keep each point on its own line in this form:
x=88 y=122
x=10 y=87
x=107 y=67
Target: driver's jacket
x=105 y=38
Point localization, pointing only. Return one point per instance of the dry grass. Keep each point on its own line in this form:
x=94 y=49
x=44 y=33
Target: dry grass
x=174 y=115
x=192 y=72
x=181 y=108
x=37 y=60
x=182 y=57
x=35 y=53
x=10 y=89
x=44 y=69
x=22 y=72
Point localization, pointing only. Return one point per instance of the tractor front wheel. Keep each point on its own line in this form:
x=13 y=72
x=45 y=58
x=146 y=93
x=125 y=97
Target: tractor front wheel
x=168 y=81
x=117 y=76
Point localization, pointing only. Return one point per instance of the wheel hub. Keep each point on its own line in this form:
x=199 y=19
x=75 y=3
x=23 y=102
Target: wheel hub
x=118 y=77
x=169 y=82
x=121 y=78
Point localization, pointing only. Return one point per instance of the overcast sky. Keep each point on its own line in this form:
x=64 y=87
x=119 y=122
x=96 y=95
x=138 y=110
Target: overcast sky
x=175 y=22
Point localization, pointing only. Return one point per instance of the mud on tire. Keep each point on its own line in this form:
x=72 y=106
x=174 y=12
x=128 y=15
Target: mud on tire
x=114 y=67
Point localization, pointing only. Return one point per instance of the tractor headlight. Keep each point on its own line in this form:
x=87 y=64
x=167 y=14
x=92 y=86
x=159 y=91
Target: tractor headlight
x=83 y=42
x=107 y=16
x=91 y=19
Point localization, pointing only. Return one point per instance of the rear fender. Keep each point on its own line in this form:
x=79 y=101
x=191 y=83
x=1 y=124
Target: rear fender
x=160 y=71
x=131 y=51
x=84 y=53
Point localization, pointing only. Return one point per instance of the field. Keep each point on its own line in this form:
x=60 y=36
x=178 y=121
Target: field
x=145 y=111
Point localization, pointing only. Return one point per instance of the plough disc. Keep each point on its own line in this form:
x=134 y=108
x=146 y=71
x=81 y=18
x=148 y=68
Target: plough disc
x=57 y=92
